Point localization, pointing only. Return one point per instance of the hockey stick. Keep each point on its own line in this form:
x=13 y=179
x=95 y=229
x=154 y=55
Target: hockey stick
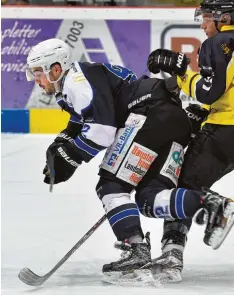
x=32 y=279
x=50 y=165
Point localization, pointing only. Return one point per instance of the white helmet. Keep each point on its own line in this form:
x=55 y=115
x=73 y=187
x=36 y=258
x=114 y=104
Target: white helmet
x=46 y=53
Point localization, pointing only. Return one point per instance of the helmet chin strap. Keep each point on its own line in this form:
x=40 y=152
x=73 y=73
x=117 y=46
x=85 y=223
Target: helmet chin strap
x=55 y=82
x=57 y=88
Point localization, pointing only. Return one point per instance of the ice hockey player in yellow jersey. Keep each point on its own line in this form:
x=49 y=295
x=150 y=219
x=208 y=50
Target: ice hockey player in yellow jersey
x=210 y=154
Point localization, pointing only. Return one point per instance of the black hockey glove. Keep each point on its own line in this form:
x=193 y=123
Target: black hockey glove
x=65 y=136
x=66 y=161
x=196 y=115
x=174 y=63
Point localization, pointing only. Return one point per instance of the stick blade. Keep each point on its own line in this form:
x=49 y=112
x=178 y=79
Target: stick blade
x=30 y=278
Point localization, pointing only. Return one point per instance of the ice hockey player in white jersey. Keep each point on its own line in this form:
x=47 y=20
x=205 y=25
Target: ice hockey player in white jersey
x=145 y=129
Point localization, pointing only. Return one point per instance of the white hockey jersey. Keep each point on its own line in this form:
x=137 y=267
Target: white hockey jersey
x=88 y=94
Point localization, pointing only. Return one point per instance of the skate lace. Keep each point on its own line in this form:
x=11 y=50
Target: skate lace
x=125 y=247
x=125 y=254
x=213 y=197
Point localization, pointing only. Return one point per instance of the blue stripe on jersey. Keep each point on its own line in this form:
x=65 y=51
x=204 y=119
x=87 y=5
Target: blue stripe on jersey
x=121 y=72
x=179 y=203
x=85 y=147
x=122 y=215
x=76 y=119
x=67 y=107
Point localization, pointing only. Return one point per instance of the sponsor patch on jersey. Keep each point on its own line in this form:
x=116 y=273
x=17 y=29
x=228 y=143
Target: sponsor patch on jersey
x=123 y=140
x=78 y=77
x=118 y=149
x=225 y=48
x=136 y=164
x=172 y=167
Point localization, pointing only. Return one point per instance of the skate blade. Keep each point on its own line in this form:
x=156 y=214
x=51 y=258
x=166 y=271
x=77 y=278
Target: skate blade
x=168 y=276
x=220 y=233
x=137 y=278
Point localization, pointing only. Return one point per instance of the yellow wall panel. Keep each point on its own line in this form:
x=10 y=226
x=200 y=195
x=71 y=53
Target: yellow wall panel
x=47 y=121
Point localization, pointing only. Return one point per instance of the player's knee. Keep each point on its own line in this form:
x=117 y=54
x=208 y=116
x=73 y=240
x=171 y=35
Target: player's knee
x=105 y=187
x=154 y=202
x=145 y=200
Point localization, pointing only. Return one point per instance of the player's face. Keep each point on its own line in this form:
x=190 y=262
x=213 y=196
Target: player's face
x=42 y=81
x=208 y=25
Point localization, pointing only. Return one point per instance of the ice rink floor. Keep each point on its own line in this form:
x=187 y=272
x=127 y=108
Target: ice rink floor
x=38 y=228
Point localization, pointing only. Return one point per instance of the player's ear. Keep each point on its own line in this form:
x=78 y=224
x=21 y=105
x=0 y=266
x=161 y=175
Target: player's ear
x=56 y=68
x=225 y=18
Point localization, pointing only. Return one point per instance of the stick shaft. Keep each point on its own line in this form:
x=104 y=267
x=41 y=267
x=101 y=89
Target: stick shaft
x=30 y=278
x=78 y=244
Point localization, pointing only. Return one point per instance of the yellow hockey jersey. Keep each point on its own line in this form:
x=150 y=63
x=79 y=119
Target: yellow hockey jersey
x=217 y=89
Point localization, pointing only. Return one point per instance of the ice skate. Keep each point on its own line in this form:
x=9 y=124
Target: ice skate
x=168 y=267
x=134 y=266
x=220 y=218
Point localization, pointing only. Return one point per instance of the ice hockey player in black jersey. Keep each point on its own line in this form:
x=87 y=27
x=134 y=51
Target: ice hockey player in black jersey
x=211 y=153
x=144 y=128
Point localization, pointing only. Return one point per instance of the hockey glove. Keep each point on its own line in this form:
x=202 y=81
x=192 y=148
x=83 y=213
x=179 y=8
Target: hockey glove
x=67 y=135
x=66 y=161
x=174 y=63
x=196 y=115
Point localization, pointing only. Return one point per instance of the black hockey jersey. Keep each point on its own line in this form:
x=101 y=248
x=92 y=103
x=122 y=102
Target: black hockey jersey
x=214 y=86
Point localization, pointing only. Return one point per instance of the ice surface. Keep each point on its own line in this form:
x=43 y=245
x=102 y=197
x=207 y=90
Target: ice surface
x=38 y=228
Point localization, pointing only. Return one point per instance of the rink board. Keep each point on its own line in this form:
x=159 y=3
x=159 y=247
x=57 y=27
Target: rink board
x=36 y=121
x=117 y=36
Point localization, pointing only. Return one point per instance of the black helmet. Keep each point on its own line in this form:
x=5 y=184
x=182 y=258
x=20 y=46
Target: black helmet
x=215 y=8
